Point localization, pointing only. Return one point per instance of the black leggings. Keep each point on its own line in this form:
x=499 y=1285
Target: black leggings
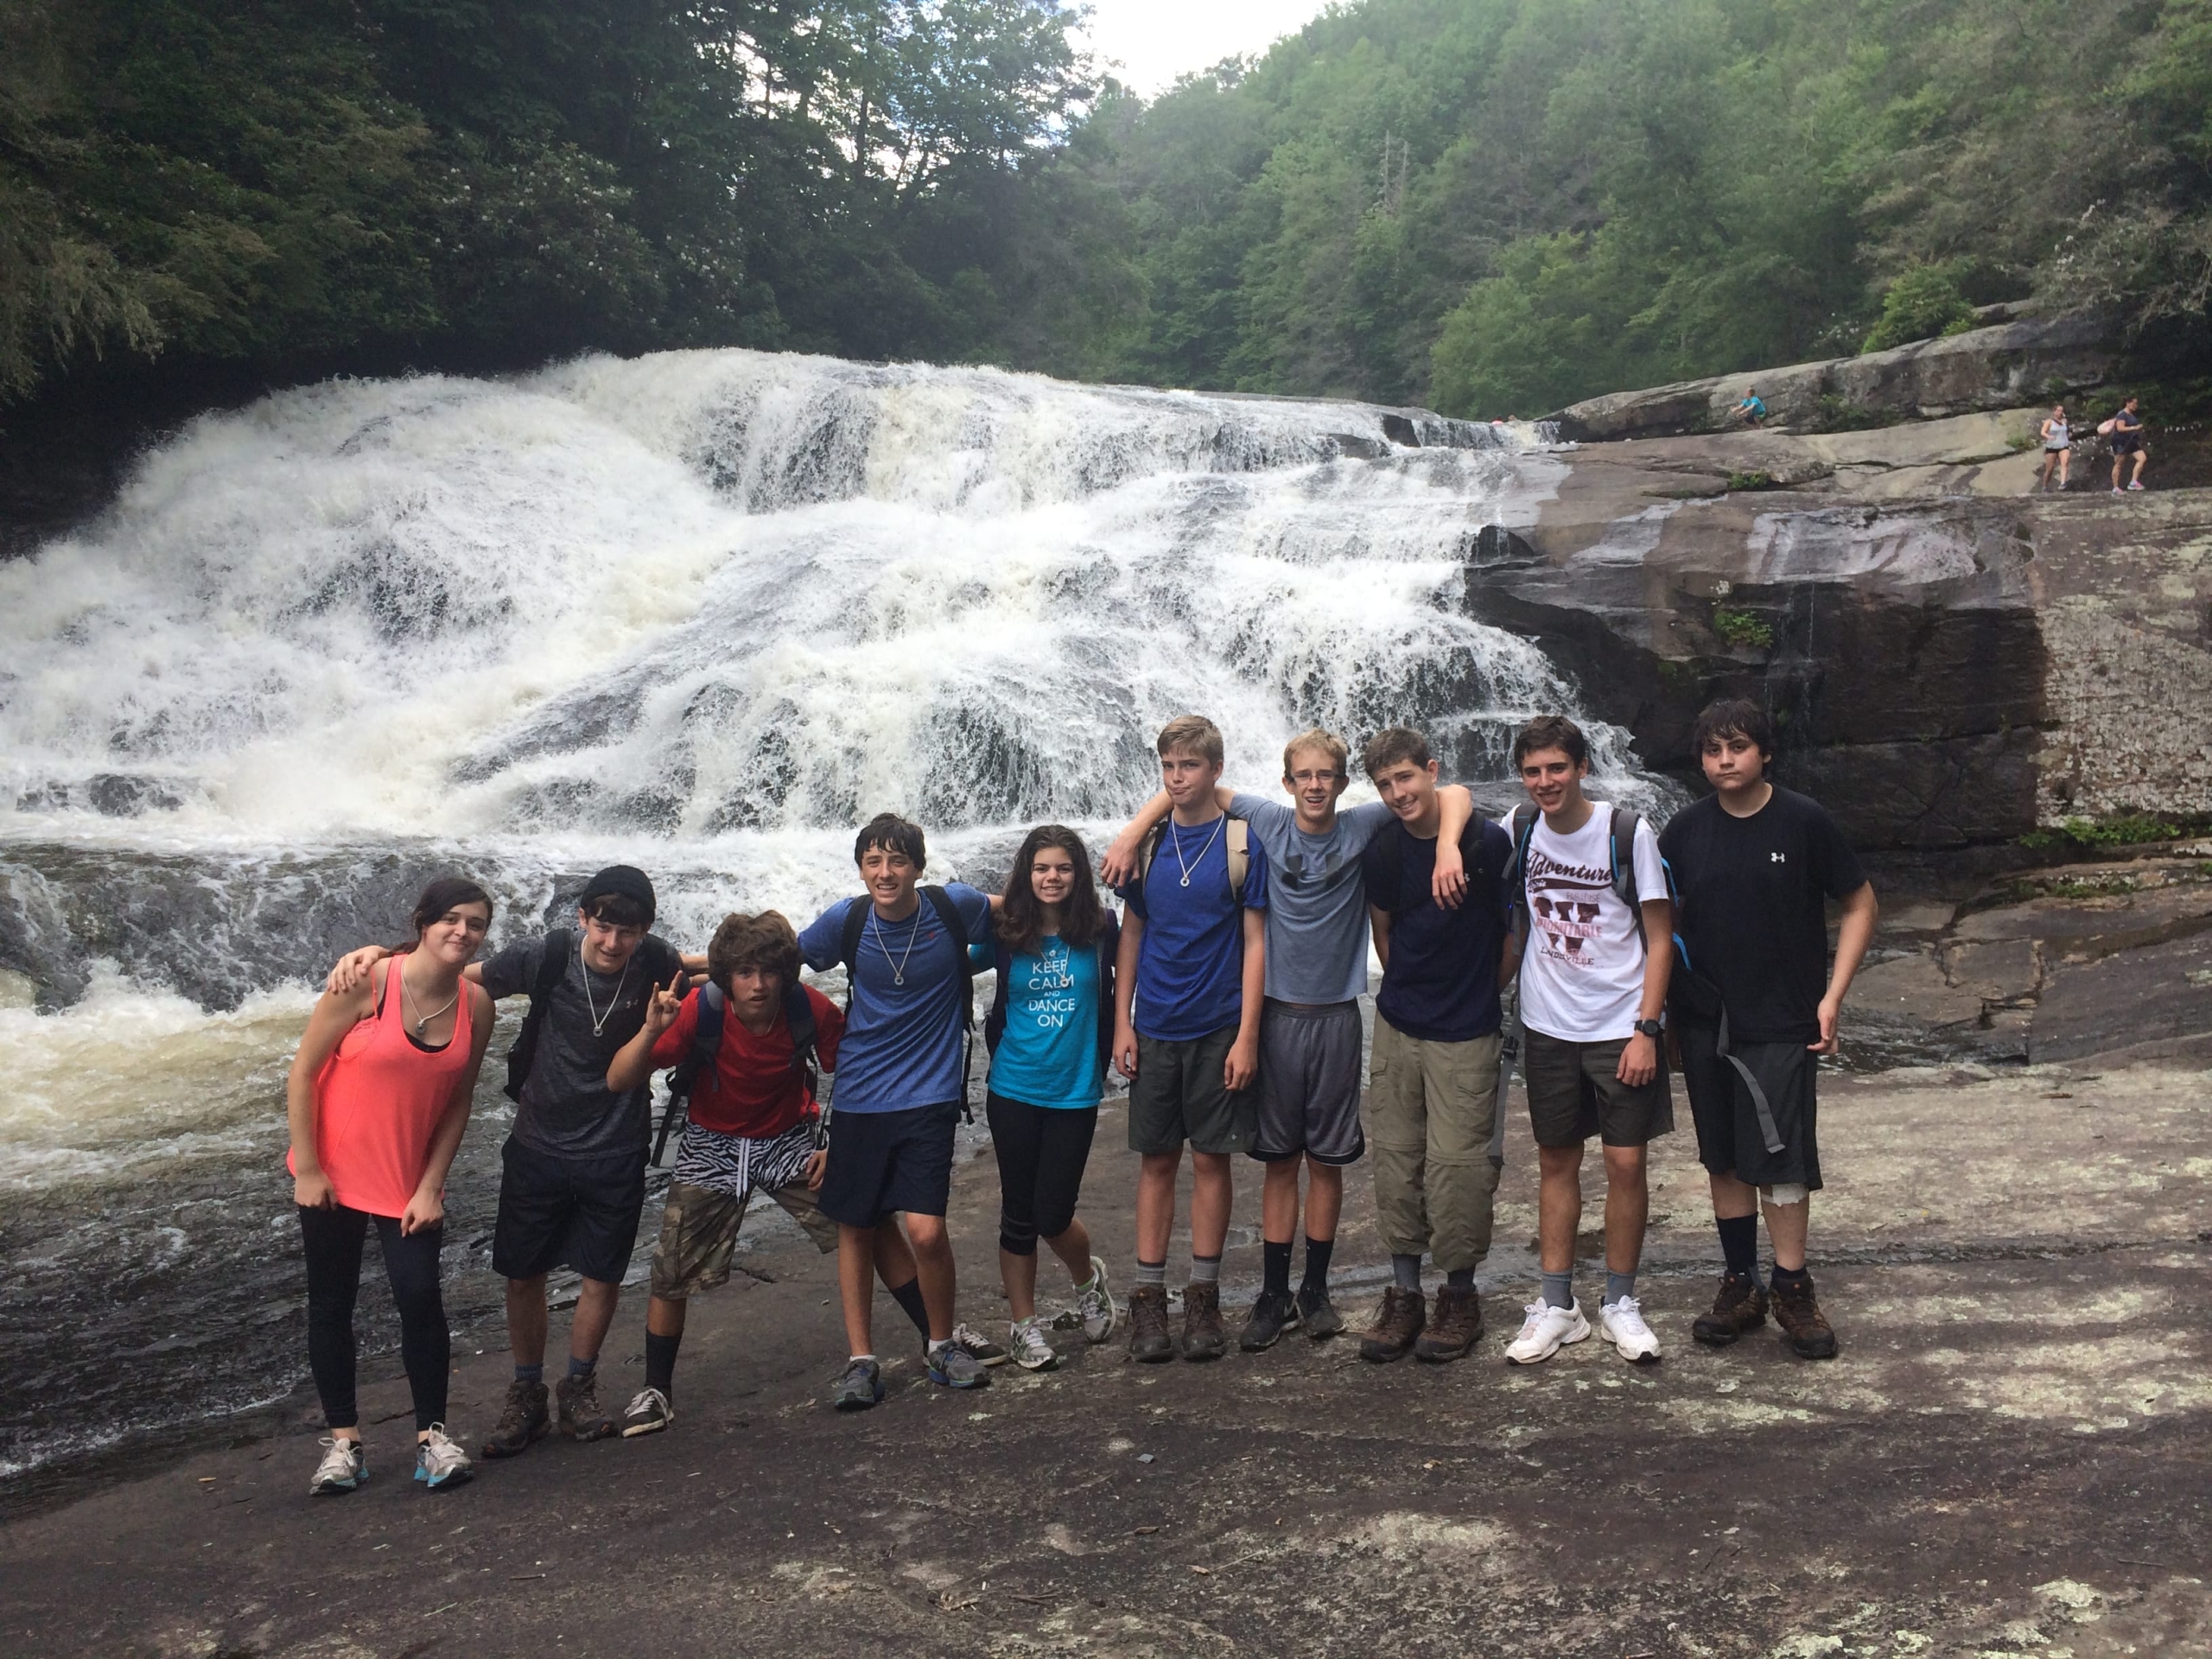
x=1041 y=1152
x=333 y=1239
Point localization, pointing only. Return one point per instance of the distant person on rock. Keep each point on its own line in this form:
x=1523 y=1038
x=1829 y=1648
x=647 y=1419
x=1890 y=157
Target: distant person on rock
x=2057 y=447
x=902 y=1086
x=1432 y=1093
x=379 y=1100
x=1752 y=410
x=1755 y=1002
x=1188 y=990
x=2126 y=431
x=745 y=1046
x=1310 y=1038
x=1590 y=900
x=1051 y=1033
x=572 y=1180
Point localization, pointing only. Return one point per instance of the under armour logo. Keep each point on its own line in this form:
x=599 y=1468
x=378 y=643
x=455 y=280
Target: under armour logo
x=1777 y=858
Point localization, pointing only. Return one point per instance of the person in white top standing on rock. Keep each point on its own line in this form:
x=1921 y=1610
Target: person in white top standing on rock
x=1590 y=998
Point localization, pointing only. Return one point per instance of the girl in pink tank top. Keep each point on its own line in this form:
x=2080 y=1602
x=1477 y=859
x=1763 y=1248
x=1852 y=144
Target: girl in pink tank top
x=379 y=1100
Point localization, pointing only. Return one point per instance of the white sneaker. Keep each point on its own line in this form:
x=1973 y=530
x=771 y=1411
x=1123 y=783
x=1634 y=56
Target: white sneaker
x=1029 y=1349
x=1094 y=1302
x=1545 y=1331
x=439 y=1462
x=344 y=1466
x=1622 y=1324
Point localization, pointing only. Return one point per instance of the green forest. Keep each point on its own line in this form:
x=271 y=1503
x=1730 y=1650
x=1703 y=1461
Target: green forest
x=1490 y=206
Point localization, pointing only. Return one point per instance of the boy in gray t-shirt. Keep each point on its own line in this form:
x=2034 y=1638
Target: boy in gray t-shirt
x=1309 y=1030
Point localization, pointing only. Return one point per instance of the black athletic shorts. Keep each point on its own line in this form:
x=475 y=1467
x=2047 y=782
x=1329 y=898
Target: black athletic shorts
x=1730 y=1137
x=580 y=1212
x=885 y=1163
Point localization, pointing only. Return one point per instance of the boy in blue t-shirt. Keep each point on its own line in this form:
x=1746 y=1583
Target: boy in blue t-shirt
x=1188 y=986
x=900 y=1088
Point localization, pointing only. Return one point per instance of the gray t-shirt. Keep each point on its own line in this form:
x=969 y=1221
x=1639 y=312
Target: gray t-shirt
x=1317 y=901
x=567 y=1110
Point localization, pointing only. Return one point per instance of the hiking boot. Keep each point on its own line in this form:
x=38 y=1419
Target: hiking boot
x=1272 y=1315
x=1203 y=1336
x=580 y=1417
x=1804 y=1327
x=1094 y=1305
x=1622 y=1324
x=523 y=1420
x=980 y=1347
x=858 y=1387
x=952 y=1366
x=1400 y=1319
x=1317 y=1313
x=648 y=1412
x=344 y=1466
x=1544 y=1331
x=1032 y=1350
x=439 y=1463
x=1740 y=1306
x=1148 y=1338
x=1456 y=1327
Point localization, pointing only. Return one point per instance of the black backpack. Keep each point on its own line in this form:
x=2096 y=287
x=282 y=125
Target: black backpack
x=856 y=916
x=655 y=956
x=1108 y=944
x=707 y=1042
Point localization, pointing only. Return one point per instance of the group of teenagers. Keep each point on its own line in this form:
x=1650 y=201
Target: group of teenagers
x=1225 y=993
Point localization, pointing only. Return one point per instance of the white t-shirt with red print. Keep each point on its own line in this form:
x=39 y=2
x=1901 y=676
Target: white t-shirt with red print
x=1582 y=974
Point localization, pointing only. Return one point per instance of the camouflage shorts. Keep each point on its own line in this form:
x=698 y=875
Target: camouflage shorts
x=699 y=1228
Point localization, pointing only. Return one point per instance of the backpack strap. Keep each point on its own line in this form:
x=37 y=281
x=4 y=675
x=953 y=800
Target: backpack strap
x=1523 y=828
x=552 y=968
x=1238 y=836
x=850 y=952
x=683 y=1077
x=948 y=913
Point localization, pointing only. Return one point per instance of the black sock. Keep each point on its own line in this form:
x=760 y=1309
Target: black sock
x=1790 y=1276
x=660 y=1363
x=1275 y=1263
x=1460 y=1278
x=909 y=1296
x=1740 y=1243
x=1317 y=1252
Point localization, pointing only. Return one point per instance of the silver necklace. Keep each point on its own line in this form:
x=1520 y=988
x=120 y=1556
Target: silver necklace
x=898 y=968
x=407 y=1000
x=1173 y=836
x=598 y=1019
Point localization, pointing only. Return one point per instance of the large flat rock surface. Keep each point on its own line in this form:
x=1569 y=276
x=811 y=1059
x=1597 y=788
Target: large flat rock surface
x=2011 y=1455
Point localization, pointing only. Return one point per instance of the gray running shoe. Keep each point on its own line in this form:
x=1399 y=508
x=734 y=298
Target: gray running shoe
x=344 y=1466
x=439 y=1462
x=1032 y=1350
x=649 y=1413
x=953 y=1367
x=859 y=1386
x=1093 y=1302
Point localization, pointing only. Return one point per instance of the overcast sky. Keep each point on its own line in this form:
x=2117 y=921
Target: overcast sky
x=1159 y=39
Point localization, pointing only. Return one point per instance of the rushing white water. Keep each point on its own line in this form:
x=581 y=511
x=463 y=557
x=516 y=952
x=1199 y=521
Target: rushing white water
x=703 y=611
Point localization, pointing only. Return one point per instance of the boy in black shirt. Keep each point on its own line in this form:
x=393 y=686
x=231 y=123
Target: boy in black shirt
x=1752 y=1007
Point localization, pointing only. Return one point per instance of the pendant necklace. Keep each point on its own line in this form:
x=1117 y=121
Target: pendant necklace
x=1176 y=839
x=598 y=1019
x=898 y=968
x=423 y=1020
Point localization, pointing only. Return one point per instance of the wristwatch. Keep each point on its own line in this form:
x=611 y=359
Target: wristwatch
x=1651 y=1028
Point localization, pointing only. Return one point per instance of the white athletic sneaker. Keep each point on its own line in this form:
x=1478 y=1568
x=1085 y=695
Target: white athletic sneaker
x=1622 y=1324
x=344 y=1466
x=1545 y=1331
x=439 y=1462
x=1094 y=1302
x=1030 y=1350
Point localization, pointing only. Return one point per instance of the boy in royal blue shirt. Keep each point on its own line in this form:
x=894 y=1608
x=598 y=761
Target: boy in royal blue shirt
x=901 y=1087
x=1188 y=984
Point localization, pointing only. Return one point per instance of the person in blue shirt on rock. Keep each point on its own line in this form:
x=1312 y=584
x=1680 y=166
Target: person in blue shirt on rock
x=1308 y=1105
x=1050 y=1029
x=901 y=1085
x=1188 y=982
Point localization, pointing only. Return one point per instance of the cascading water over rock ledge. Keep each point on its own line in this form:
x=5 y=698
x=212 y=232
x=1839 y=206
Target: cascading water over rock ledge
x=704 y=610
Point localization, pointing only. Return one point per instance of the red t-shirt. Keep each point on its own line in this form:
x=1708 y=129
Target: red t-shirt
x=754 y=1090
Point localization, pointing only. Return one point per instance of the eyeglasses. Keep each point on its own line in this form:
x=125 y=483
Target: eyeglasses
x=1323 y=776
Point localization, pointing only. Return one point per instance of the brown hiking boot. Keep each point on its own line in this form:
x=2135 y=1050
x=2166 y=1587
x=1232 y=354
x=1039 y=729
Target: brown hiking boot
x=1804 y=1327
x=1740 y=1306
x=580 y=1417
x=522 y=1422
x=1403 y=1315
x=1203 y=1337
x=1456 y=1328
x=1148 y=1338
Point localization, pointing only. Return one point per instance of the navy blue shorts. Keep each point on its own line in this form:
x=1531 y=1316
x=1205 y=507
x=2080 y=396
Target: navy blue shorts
x=886 y=1164
x=580 y=1211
